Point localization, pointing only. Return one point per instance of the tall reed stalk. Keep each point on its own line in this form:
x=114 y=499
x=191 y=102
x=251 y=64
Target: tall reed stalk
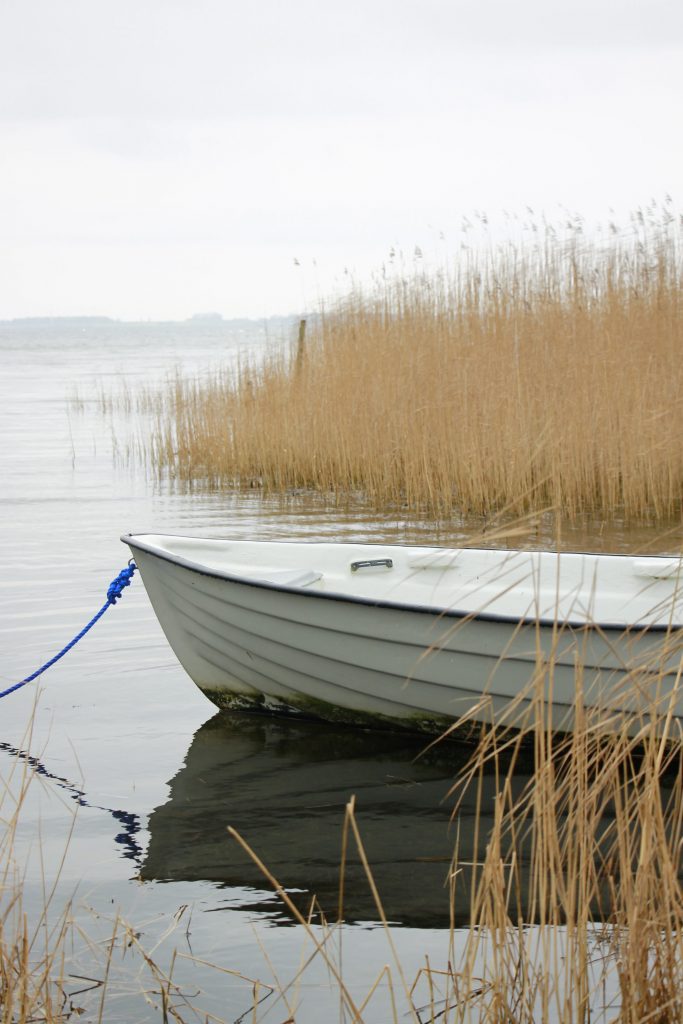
x=32 y=947
x=51 y=970
x=572 y=882
x=520 y=378
x=589 y=854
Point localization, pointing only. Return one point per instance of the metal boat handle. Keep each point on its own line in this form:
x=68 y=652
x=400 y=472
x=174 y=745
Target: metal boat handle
x=372 y=563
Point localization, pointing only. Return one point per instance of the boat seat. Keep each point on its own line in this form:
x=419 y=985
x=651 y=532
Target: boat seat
x=288 y=577
x=658 y=568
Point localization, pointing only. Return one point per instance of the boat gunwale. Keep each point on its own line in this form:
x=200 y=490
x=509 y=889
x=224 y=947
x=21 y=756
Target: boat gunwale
x=133 y=541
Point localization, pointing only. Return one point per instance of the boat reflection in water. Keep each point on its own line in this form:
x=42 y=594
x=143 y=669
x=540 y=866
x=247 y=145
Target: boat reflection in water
x=284 y=784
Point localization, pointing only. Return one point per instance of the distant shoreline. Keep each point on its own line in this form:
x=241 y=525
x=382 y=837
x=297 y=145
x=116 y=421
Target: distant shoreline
x=196 y=320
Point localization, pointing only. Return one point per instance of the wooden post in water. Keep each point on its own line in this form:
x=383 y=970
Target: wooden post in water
x=300 y=347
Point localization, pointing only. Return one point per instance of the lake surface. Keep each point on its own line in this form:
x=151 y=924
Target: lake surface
x=124 y=740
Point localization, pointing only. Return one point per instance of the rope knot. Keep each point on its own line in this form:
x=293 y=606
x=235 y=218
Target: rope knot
x=122 y=580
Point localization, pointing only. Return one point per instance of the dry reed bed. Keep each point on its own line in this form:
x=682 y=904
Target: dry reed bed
x=574 y=894
x=31 y=955
x=51 y=970
x=574 y=897
x=523 y=378
x=590 y=853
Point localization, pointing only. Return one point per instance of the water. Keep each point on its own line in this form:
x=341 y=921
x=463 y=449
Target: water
x=118 y=719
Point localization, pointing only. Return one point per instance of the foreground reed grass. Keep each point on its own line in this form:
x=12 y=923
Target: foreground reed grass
x=53 y=970
x=574 y=892
x=521 y=378
x=589 y=853
x=31 y=957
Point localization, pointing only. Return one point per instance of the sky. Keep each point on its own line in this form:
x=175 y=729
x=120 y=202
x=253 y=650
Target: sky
x=161 y=158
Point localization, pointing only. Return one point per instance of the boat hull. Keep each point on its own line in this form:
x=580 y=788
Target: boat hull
x=265 y=648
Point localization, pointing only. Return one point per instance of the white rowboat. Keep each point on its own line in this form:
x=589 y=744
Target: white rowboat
x=418 y=636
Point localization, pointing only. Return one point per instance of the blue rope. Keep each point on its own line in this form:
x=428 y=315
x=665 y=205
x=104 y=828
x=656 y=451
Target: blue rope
x=114 y=592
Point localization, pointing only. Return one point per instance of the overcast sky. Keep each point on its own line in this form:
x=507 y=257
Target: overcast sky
x=166 y=157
